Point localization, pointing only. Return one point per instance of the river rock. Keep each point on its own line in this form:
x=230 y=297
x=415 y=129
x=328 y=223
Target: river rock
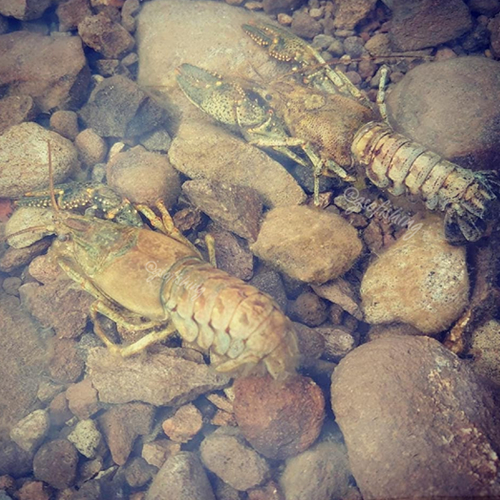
x=350 y=12
x=450 y=107
x=24 y=158
x=55 y=463
x=51 y=70
x=421 y=280
x=290 y=238
x=25 y=10
x=14 y=110
x=184 y=425
x=416 y=422
x=71 y=13
x=484 y=347
x=86 y=438
x=29 y=432
x=494 y=27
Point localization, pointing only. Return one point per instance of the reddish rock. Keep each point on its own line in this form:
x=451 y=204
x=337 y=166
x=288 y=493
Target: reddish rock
x=279 y=419
x=82 y=399
x=157 y=452
x=71 y=13
x=33 y=490
x=25 y=10
x=349 y=13
x=59 y=411
x=66 y=364
x=184 y=424
x=55 y=463
x=14 y=110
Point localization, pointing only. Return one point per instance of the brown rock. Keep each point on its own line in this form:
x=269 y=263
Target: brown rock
x=184 y=424
x=129 y=11
x=484 y=347
x=33 y=490
x=55 y=463
x=484 y=7
x=51 y=70
x=144 y=177
x=305 y=26
x=92 y=148
x=122 y=424
x=138 y=472
x=270 y=491
x=339 y=341
x=15 y=110
x=311 y=343
x=279 y=419
x=118 y=107
x=308 y=308
x=105 y=36
x=273 y=7
x=416 y=422
x=426 y=23
x=340 y=292
x=58 y=410
x=7 y=484
x=14 y=258
x=82 y=399
x=349 y=13
x=66 y=364
x=236 y=208
x=65 y=123
x=24 y=9
x=459 y=121
x=494 y=27
x=157 y=452
x=71 y=13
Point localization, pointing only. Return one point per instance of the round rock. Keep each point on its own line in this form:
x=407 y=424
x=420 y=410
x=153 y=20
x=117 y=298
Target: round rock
x=452 y=108
x=416 y=422
x=55 y=463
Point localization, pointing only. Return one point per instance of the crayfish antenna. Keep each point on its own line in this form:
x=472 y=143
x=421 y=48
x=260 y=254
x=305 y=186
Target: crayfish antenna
x=51 y=181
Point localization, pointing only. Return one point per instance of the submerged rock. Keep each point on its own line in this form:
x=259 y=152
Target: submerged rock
x=55 y=463
x=25 y=10
x=350 y=12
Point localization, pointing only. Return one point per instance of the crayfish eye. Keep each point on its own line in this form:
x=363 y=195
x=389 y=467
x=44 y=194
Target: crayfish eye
x=63 y=237
x=269 y=97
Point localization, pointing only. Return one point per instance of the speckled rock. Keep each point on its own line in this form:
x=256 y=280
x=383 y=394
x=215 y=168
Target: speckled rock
x=279 y=419
x=184 y=424
x=416 y=422
x=459 y=120
x=339 y=341
x=25 y=10
x=270 y=282
x=86 y=438
x=162 y=379
x=158 y=141
x=92 y=148
x=15 y=110
x=426 y=23
x=181 y=477
x=55 y=463
x=290 y=237
x=144 y=177
x=206 y=151
x=29 y=432
x=23 y=158
x=484 y=347
x=52 y=70
x=422 y=281
x=65 y=123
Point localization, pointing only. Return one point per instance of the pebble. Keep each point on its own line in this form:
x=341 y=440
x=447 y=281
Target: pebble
x=11 y=285
x=157 y=141
x=354 y=46
x=105 y=36
x=270 y=282
x=25 y=218
x=379 y=45
x=118 y=107
x=29 y=432
x=422 y=281
x=428 y=23
x=158 y=179
x=416 y=421
x=66 y=366
x=122 y=424
x=52 y=70
x=305 y=26
x=350 y=12
x=15 y=110
x=24 y=10
x=129 y=12
x=308 y=309
x=161 y=379
x=226 y=454
x=138 y=472
x=336 y=48
x=285 y=238
x=236 y=208
x=14 y=258
x=342 y=293
x=322 y=42
x=47 y=390
x=72 y=13
x=24 y=157
x=339 y=341
x=181 y=477
x=82 y=399
x=273 y=7
x=55 y=463
x=157 y=452
x=209 y=152
x=476 y=40
x=279 y=419
x=284 y=19
x=184 y=424
x=65 y=123
x=311 y=343
x=92 y=148
x=270 y=491
x=484 y=348
x=45 y=270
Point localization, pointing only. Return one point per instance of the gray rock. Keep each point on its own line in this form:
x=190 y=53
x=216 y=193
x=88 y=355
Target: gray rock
x=305 y=26
x=14 y=461
x=484 y=7
x=55 y=463
x=181 y=477
x=484 y=347
x=25 y=10
x=15 y=110
x=416 y=421
x=86 y=438
x=273 y=7
x=158 y=141
x=29 y=432
x=339 y=341
x=270 y=282
x=340 y=292
x=350 y=12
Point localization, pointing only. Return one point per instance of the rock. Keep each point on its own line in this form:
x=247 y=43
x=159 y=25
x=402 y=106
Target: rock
x=270 y=491
x=14 y=110
x=349 y=13
x=422 y=281
x=24 y=157
x=340 y=292
x=484 y=346
x=22 y=362
x=225 y=453
x=60 y=304
x=209 y=152
x=354 y=47
x=161 y=379
x=339 y=341
x=285 y=238
x=86 y=438
x=48 y=390
x=129 y=12
x=82 y=399
x=25 y=10
x=308 y=309
x=59 y=411
x=33 y=490
x=51 y=70
x=71 y=13
x=236 y=208
x=319 y=473
x=55 y=463
x=121 y=425
x=305 y=26
x=311 y=343
x=118 y=107
x=279 y=419
x=138 y=472
x=14 y=461
x=65 y=365
x=26 y=218
x=144 y=177
x=484 y=7
x=105 y=36
x=476 y=40
x=379 y=45
x=494 y=27
x=14 y=258
x=181 y=477
x=92 y=148
x=65 y=122
x=269 y=281
x=184 y=424
x=29 y=432
x=426 y=23
x=157 y=141
x=11 y=285
x=416 y=421
x=45 y=270
x=273 y=7
x=458 y=121
x=157 y=452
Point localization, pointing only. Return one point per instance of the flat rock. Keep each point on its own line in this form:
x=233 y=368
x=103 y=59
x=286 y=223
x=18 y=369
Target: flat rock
x=290 y=238
x=25 y=10
x=206 y=151
x=51 y=70
x=349 y=13
x=24 y=158
x=451 y=108
x=426 y=23
x=422 y=281
x=160 y=379
x=181 y=477
x=416 y=421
